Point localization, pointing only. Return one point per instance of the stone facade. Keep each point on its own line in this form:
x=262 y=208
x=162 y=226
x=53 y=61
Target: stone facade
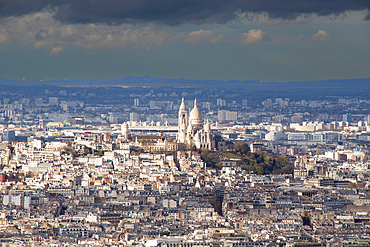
x=192 y=131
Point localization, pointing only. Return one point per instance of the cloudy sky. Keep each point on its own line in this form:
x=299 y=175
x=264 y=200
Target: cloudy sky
x=269 y=40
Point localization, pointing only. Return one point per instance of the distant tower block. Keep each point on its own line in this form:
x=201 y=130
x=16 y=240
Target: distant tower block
x=125 y=131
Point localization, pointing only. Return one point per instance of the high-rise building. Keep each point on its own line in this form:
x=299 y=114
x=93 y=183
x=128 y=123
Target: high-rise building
x=221 y=102
x=9 y=136
x=39 y=102
x=53 y=101
x=280 y=102
x=244 y=102
x=368 y=119
x=347 y=117
x=267 y=103
x=224 y=115
x=136 y=102
x=134 y=117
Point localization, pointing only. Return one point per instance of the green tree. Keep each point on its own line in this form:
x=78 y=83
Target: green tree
x=100 y=153
x=281 y=161
x=204 y=154
x=241 y=148
x=218 y=166
x=213 y=159
x=238 y=147
x=259 y=169
x=210 y=158
x=260 y=159
x=251 y=156
x=281 y=165
x=266 y=160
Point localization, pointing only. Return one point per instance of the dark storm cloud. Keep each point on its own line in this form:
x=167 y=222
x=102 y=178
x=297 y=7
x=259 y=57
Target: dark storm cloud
x=175 y=12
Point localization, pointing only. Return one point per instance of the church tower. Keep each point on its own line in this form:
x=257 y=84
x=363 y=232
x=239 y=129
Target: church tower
x=183 y=122
x=125 y=131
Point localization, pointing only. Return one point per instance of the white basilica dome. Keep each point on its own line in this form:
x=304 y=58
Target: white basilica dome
x=196 y=117
x=195 y=114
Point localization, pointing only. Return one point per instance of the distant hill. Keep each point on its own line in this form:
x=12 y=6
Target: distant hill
x=147 y=81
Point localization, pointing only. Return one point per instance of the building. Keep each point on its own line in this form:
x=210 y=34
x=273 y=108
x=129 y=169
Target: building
x=221 y=102
x=9 y=136
x=224 y=115
x=134 y=117
x=191 y=130
x=125 y=131
x=53 y=101
x=347 y=118
x=267 y=103
x=156 y=144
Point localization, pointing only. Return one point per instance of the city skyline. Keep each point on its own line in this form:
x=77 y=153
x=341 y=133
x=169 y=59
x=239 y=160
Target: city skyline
x=185 y=123
x=139 y=162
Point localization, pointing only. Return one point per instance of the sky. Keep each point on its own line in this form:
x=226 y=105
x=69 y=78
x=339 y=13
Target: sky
x=268 y=40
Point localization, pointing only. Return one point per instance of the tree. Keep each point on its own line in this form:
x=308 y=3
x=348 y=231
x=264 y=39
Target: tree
x=238 y=147
x=281 y=165
x=210 y=158
x=213 y=159
x=99 y=153
x=259 y=169
x=218 y=166
x=241 y=148
x=204 y=154
x=69 y=150
x=281 y=161
x=260 y=159
x=87 y=151
x=266 y=160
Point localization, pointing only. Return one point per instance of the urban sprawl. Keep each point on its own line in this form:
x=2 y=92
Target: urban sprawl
x=182 y=167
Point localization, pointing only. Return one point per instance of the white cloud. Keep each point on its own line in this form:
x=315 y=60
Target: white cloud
x=56 y=50
x=203 y=36
x=254 y=36
x=42 y=31
x=321 y=35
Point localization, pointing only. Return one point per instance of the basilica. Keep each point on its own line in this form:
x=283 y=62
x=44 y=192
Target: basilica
x=192 y=131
